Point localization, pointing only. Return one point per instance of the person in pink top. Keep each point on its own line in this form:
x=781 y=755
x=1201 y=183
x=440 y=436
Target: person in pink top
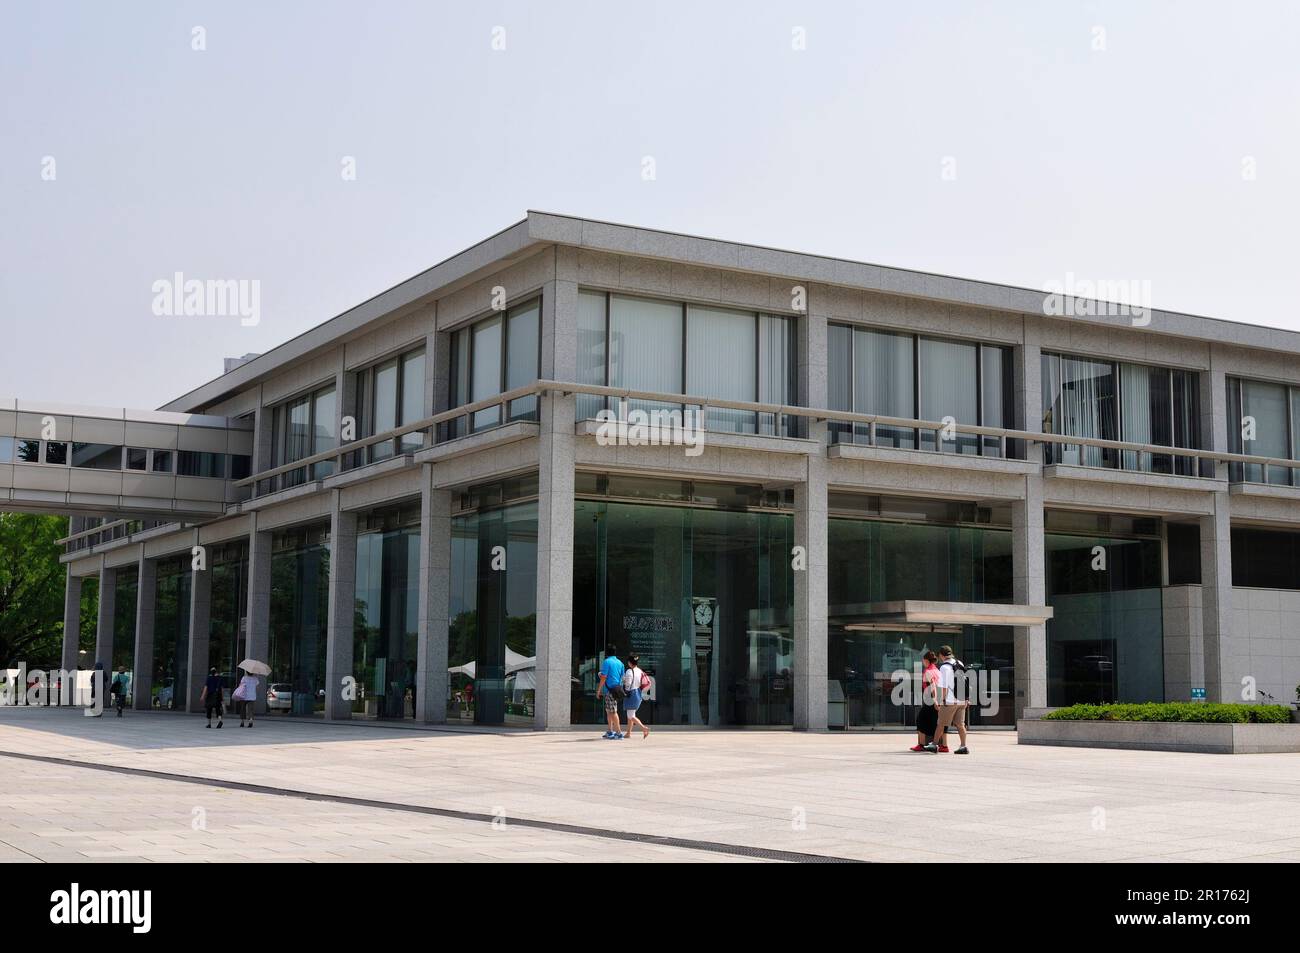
x=927 y=717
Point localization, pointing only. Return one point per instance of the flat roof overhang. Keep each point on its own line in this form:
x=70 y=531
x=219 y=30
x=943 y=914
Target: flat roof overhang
x=914 y=612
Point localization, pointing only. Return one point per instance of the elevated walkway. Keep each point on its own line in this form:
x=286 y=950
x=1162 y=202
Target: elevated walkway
x=61 y=459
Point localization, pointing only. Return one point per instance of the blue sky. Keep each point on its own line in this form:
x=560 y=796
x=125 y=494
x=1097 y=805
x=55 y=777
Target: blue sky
x=1123 y=163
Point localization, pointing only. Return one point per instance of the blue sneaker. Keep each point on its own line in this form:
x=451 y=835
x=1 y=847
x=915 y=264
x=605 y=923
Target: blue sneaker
x=616 y=736
x=608 y=734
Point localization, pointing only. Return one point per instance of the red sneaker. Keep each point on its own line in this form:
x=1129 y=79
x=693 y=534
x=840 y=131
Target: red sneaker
x=943 y=749
x=917 y=748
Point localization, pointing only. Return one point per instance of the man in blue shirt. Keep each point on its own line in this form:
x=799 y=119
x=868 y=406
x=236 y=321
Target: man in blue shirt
x=611 y=686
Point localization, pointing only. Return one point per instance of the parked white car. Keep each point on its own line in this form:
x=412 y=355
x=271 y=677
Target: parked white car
x=279 y=697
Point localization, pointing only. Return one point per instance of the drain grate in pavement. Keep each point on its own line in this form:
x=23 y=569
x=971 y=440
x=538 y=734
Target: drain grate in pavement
x=714 y=847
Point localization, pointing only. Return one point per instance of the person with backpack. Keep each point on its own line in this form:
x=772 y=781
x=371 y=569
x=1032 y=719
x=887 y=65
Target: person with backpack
x=120 y=682
x=635 y=682
x=611 y=687
x=952 y=710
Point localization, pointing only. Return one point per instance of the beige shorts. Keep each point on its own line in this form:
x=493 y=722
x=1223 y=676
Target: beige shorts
x=952 y=716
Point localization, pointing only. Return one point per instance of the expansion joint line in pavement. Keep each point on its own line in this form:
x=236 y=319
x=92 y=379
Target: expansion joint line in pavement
x=737 y=850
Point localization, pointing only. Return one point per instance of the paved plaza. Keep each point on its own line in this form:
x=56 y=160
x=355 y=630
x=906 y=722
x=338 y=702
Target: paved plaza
x=362 y=792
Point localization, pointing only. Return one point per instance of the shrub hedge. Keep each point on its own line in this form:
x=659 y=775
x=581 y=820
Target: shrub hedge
x=1215 y=712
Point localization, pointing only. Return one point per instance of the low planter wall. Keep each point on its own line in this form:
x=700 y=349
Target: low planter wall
x=1162 y=736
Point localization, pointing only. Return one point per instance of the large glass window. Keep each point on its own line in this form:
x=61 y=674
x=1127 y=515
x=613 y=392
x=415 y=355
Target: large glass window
x=1265 y=558
x=1260 y=423
x=673 y=348
x=491 y=356
x=200 y=463
x=492 y=653
x=387 y=611
x=874 y=561
x=96 y=456
x=305 y=426
x=171 y=634
x=913 y=377
x=1111 y=400
x=299 y=614
x=390 y=395
x=711 y=332
x=949 y=386
x=645 y=350
x=1105 y=641
x=228 y=612
x=703 y=596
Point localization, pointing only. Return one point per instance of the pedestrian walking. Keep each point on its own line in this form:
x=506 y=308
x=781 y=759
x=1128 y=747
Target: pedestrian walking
x=927 y=716
x=635 y=682
x=246 y=696
x=120 y=685
x=611 y=687
x=211 y=697
x=952 y=707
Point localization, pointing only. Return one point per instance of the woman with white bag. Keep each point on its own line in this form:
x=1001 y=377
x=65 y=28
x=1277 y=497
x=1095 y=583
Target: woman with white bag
x=635 y=682
x=246 y=695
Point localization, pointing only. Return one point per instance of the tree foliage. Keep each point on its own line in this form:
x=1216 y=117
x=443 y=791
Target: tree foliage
x=31 y=589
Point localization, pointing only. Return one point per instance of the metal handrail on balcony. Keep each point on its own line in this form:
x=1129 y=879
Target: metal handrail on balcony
x=815 y=414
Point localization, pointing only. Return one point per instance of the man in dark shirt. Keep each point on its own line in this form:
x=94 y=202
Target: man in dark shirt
x=211 y=697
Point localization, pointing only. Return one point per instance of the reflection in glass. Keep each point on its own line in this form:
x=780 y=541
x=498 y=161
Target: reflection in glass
x=386 y=622
x=492 y=653
x=703 y=596
x=1105 y=642
x=299 y=614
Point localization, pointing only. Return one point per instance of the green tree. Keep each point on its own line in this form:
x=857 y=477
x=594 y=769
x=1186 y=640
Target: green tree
x=31 y=589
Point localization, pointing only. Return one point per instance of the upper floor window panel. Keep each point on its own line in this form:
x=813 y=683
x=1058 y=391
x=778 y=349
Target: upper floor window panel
x=390 y=395
x=302 y=427
x=1263 y=421
x=917 y=377
x=1113 y=400
x=491 y=356
x=670 y=347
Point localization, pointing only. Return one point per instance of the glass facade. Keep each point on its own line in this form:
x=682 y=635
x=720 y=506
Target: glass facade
x=126 y=590
x=390 y=394
x=304 y=426
x=227 y=629
x=1111 y=400
x=492 y=653
x=171 y=633
x=1265 y=558
x=299 y=613
x=1263 y=421
x=1105 y=642
x=384 y=650
x=954 y=555
x=917 y=377
x=703 y=596
x=489 y=357
x=671 y=347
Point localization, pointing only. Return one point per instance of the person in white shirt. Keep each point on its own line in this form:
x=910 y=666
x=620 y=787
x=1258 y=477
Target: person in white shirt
x=246 y=695
x=632 y=679
x=952 y=710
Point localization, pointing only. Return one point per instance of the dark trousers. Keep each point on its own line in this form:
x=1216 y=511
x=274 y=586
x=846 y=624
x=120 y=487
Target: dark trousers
x=119 y=702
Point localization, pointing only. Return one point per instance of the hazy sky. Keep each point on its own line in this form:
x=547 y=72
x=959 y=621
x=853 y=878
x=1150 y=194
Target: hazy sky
x=1169 y=155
